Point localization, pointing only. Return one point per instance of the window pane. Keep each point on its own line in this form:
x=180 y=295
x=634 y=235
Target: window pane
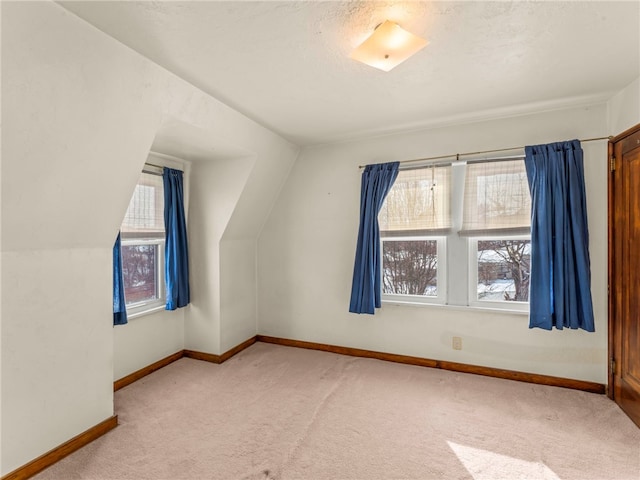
x=410 y=267
x=145 y=215
x=419 y=201
x=496 y=198
x=140 y=275
x=503 y=270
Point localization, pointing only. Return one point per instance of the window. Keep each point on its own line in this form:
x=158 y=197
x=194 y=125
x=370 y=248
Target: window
x=458 y=234
x=413 y=221
x=497 y=210
x=143 y=239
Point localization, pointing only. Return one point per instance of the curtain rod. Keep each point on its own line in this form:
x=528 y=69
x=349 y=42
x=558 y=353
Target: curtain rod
x=458 y=155
x=147 y=164
x=151 y=172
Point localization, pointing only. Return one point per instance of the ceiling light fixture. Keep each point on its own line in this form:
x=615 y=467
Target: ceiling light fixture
x=388 y=46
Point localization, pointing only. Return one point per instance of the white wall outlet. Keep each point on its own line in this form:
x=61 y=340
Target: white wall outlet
x=457 y=343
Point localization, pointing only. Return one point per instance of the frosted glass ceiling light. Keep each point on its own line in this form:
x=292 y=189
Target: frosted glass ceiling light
x=388 y=46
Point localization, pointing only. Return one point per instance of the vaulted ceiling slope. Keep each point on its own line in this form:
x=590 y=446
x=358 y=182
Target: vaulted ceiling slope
x=287 y=66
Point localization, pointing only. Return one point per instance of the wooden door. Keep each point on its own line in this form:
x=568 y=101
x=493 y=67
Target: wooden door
x=624 y=271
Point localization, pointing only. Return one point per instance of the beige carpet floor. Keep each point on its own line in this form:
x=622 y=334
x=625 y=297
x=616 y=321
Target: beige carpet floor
x=274 y=412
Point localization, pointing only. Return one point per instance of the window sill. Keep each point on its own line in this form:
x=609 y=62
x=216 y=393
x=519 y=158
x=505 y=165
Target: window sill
x=150 y=311
x=463 y=308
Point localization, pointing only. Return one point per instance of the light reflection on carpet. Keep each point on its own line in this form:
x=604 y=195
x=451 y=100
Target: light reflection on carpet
x=486 y=465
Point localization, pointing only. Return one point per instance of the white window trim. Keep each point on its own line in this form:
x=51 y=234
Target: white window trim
x=473 y=277
x=441 y=275
x=144 y=308
x=461 y=308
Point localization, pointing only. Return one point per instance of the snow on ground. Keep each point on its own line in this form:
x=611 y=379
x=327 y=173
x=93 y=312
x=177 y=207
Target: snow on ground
x=495 y=291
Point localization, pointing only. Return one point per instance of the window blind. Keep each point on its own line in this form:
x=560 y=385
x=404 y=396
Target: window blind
x=496 y=199
x=418 y=203
x=145 y=215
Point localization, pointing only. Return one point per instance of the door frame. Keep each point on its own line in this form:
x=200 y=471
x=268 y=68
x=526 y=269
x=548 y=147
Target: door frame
x=614 y=297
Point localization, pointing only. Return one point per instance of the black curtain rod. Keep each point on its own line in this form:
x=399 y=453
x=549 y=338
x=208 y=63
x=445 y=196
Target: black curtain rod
x=457 y=156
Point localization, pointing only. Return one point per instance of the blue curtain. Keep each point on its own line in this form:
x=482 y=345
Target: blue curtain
x=176 y=250
x=366 y=288
x=119 y=304
x=560 y=288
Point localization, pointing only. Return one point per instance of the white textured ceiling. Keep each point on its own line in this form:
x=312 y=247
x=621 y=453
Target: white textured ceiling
x=287 y=65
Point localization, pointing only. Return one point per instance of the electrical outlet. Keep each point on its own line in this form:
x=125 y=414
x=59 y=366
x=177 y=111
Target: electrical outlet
x=457 y=343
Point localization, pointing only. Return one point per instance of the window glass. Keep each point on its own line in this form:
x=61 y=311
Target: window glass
x=410 y=267
x=140 y=271
x=418 y=203
x=143 y=239
x=145 y=215
x=503 y=268
x=413 y=220
x=496 y=208
x=496 y=198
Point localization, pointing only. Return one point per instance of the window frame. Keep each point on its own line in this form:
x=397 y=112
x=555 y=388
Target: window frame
x=473 y=300
x=153 y=237
x=441 y=275
x=457 y=254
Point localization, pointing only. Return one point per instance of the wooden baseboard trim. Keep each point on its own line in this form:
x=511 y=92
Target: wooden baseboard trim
x=238 y=348
x=58 y=453
x=539 y=379
x=205 y=357
x=583 y=385
x=143 y=372
x=354 y=352
x=213 y=358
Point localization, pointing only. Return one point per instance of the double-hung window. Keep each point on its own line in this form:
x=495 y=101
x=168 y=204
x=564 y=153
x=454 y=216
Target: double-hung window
x=414 y=221
x=458 y=234
x=143 y=239
x=496 y=218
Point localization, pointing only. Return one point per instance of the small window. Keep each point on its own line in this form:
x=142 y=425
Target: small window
x=413 y=222
x=143 y=240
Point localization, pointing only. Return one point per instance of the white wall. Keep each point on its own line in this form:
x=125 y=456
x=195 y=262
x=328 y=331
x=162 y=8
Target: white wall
x=624 y=108
x=70 y=109
x=56 y=348
x=215 y=190
x=145 y=340
x=306 y=254
x=80 y=113
x=238 y=296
